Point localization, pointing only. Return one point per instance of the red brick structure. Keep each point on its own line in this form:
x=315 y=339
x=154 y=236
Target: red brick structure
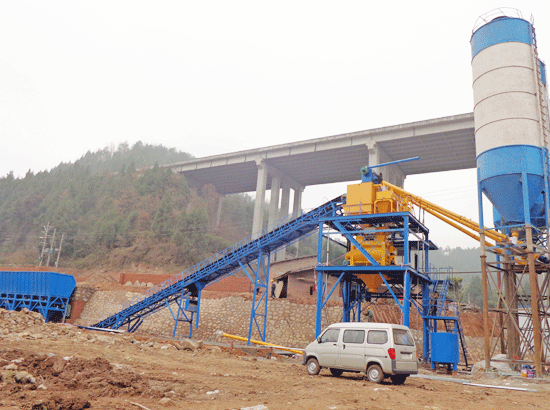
x=81 y=295
x=124 y=278
x=229 y=284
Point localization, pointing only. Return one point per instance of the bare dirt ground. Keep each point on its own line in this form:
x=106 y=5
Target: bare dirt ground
x=52 y=367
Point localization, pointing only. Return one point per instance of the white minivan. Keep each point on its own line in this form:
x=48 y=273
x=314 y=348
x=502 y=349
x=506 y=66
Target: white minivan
x=378 y=349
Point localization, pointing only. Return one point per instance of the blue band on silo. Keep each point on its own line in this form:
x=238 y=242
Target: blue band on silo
x=505 y=160
x=542 y=72
x=500 y=178
x=501 y=30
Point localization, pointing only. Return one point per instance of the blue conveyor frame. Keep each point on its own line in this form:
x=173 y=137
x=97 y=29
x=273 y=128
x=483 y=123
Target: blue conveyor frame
x=190 y=282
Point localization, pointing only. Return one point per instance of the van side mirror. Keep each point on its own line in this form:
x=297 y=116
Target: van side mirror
x=319 y=339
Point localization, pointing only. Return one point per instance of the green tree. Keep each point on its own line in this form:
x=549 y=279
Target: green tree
x=162 y=222
x=475 y=293
x=108 y=210
x=456 y=291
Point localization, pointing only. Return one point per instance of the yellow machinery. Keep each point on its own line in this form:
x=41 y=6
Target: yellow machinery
x=379 y=197
x=381 y=248
x=373 y=198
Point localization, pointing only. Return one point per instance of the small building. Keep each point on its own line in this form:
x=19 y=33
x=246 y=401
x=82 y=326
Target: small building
x=297 y=279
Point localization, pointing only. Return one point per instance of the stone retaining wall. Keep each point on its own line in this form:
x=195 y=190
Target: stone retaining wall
x=103 y=304
x=288 y=323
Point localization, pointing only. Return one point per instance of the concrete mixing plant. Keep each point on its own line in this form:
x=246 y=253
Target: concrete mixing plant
x=388 y=244
x=511 y=135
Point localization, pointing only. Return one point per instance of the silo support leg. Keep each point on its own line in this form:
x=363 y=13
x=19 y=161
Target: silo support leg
x=533 y=280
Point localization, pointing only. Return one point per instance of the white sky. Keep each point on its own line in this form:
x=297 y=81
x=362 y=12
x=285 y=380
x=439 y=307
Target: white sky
x=210 y=77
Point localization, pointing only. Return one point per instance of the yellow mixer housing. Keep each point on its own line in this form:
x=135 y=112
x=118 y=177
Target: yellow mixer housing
x=372 y=198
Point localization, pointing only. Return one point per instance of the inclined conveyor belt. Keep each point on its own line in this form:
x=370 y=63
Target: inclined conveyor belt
x=221 y=264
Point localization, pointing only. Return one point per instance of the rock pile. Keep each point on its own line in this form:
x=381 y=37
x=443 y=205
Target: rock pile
x=16 y=322
x=97 y=377
x=30 y=380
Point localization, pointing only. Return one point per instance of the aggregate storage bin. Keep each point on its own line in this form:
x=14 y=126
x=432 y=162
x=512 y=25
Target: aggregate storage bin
x=45 y=292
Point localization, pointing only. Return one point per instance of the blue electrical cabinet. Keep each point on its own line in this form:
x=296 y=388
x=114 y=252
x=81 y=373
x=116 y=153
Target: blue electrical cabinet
x=444 y=348
x=45 y=292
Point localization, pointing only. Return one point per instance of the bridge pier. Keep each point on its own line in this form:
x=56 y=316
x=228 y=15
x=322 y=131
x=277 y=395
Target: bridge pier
x=276 y=181
x=283 y=212
x=394 y=174
x=297 y=210
x=261 y=184
x=219 y=211
x=280 y=187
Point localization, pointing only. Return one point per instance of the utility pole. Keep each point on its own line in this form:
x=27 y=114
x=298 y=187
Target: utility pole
x=44 y=238
x=52 y=248
x=59 y=250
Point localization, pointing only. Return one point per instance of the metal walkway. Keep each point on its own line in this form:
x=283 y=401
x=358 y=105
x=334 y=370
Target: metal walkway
x=224 y=263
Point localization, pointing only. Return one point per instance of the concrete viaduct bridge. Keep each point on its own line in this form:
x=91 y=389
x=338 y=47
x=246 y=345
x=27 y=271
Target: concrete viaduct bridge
x=443 y=144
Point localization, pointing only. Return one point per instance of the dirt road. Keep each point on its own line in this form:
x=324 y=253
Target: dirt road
x=48 y=367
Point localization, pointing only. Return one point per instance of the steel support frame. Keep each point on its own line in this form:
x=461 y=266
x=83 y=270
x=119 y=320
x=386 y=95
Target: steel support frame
x=346 y=274
x=259 y=276
x=188 y=308
x=43 y=304
x=323 y=295
x=525 y=311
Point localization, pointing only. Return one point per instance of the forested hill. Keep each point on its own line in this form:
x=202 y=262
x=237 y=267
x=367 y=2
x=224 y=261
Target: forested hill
x=460 y=260
x=124 y=157
x=111 y=215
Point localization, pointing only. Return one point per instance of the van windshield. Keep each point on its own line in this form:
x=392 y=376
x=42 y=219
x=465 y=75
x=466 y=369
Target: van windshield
x=402 y=337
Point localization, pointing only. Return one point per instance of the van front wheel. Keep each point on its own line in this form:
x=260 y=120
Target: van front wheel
x=313 y=367
x=375 y=373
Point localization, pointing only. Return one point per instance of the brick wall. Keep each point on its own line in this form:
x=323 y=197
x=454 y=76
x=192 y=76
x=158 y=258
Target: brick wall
x=232 y=284
x=81 y=295
x=142 y=278
x=229 y=284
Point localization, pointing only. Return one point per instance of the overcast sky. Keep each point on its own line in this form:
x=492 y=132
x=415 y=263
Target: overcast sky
x=210 y=77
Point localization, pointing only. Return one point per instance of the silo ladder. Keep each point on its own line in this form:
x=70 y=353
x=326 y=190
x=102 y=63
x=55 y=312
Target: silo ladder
x=544 y=122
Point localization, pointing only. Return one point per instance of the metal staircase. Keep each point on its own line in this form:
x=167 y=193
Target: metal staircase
x=188 y=284
x=461 y=336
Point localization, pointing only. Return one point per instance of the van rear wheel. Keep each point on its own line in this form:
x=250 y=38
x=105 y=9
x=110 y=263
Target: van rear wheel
x=398 y=378
x=375 y=373
x=313 y=367
x=336 y=372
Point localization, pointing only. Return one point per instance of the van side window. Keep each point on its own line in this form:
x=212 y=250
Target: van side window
x=331 y=335
x=354 y=336
x=377 y=337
